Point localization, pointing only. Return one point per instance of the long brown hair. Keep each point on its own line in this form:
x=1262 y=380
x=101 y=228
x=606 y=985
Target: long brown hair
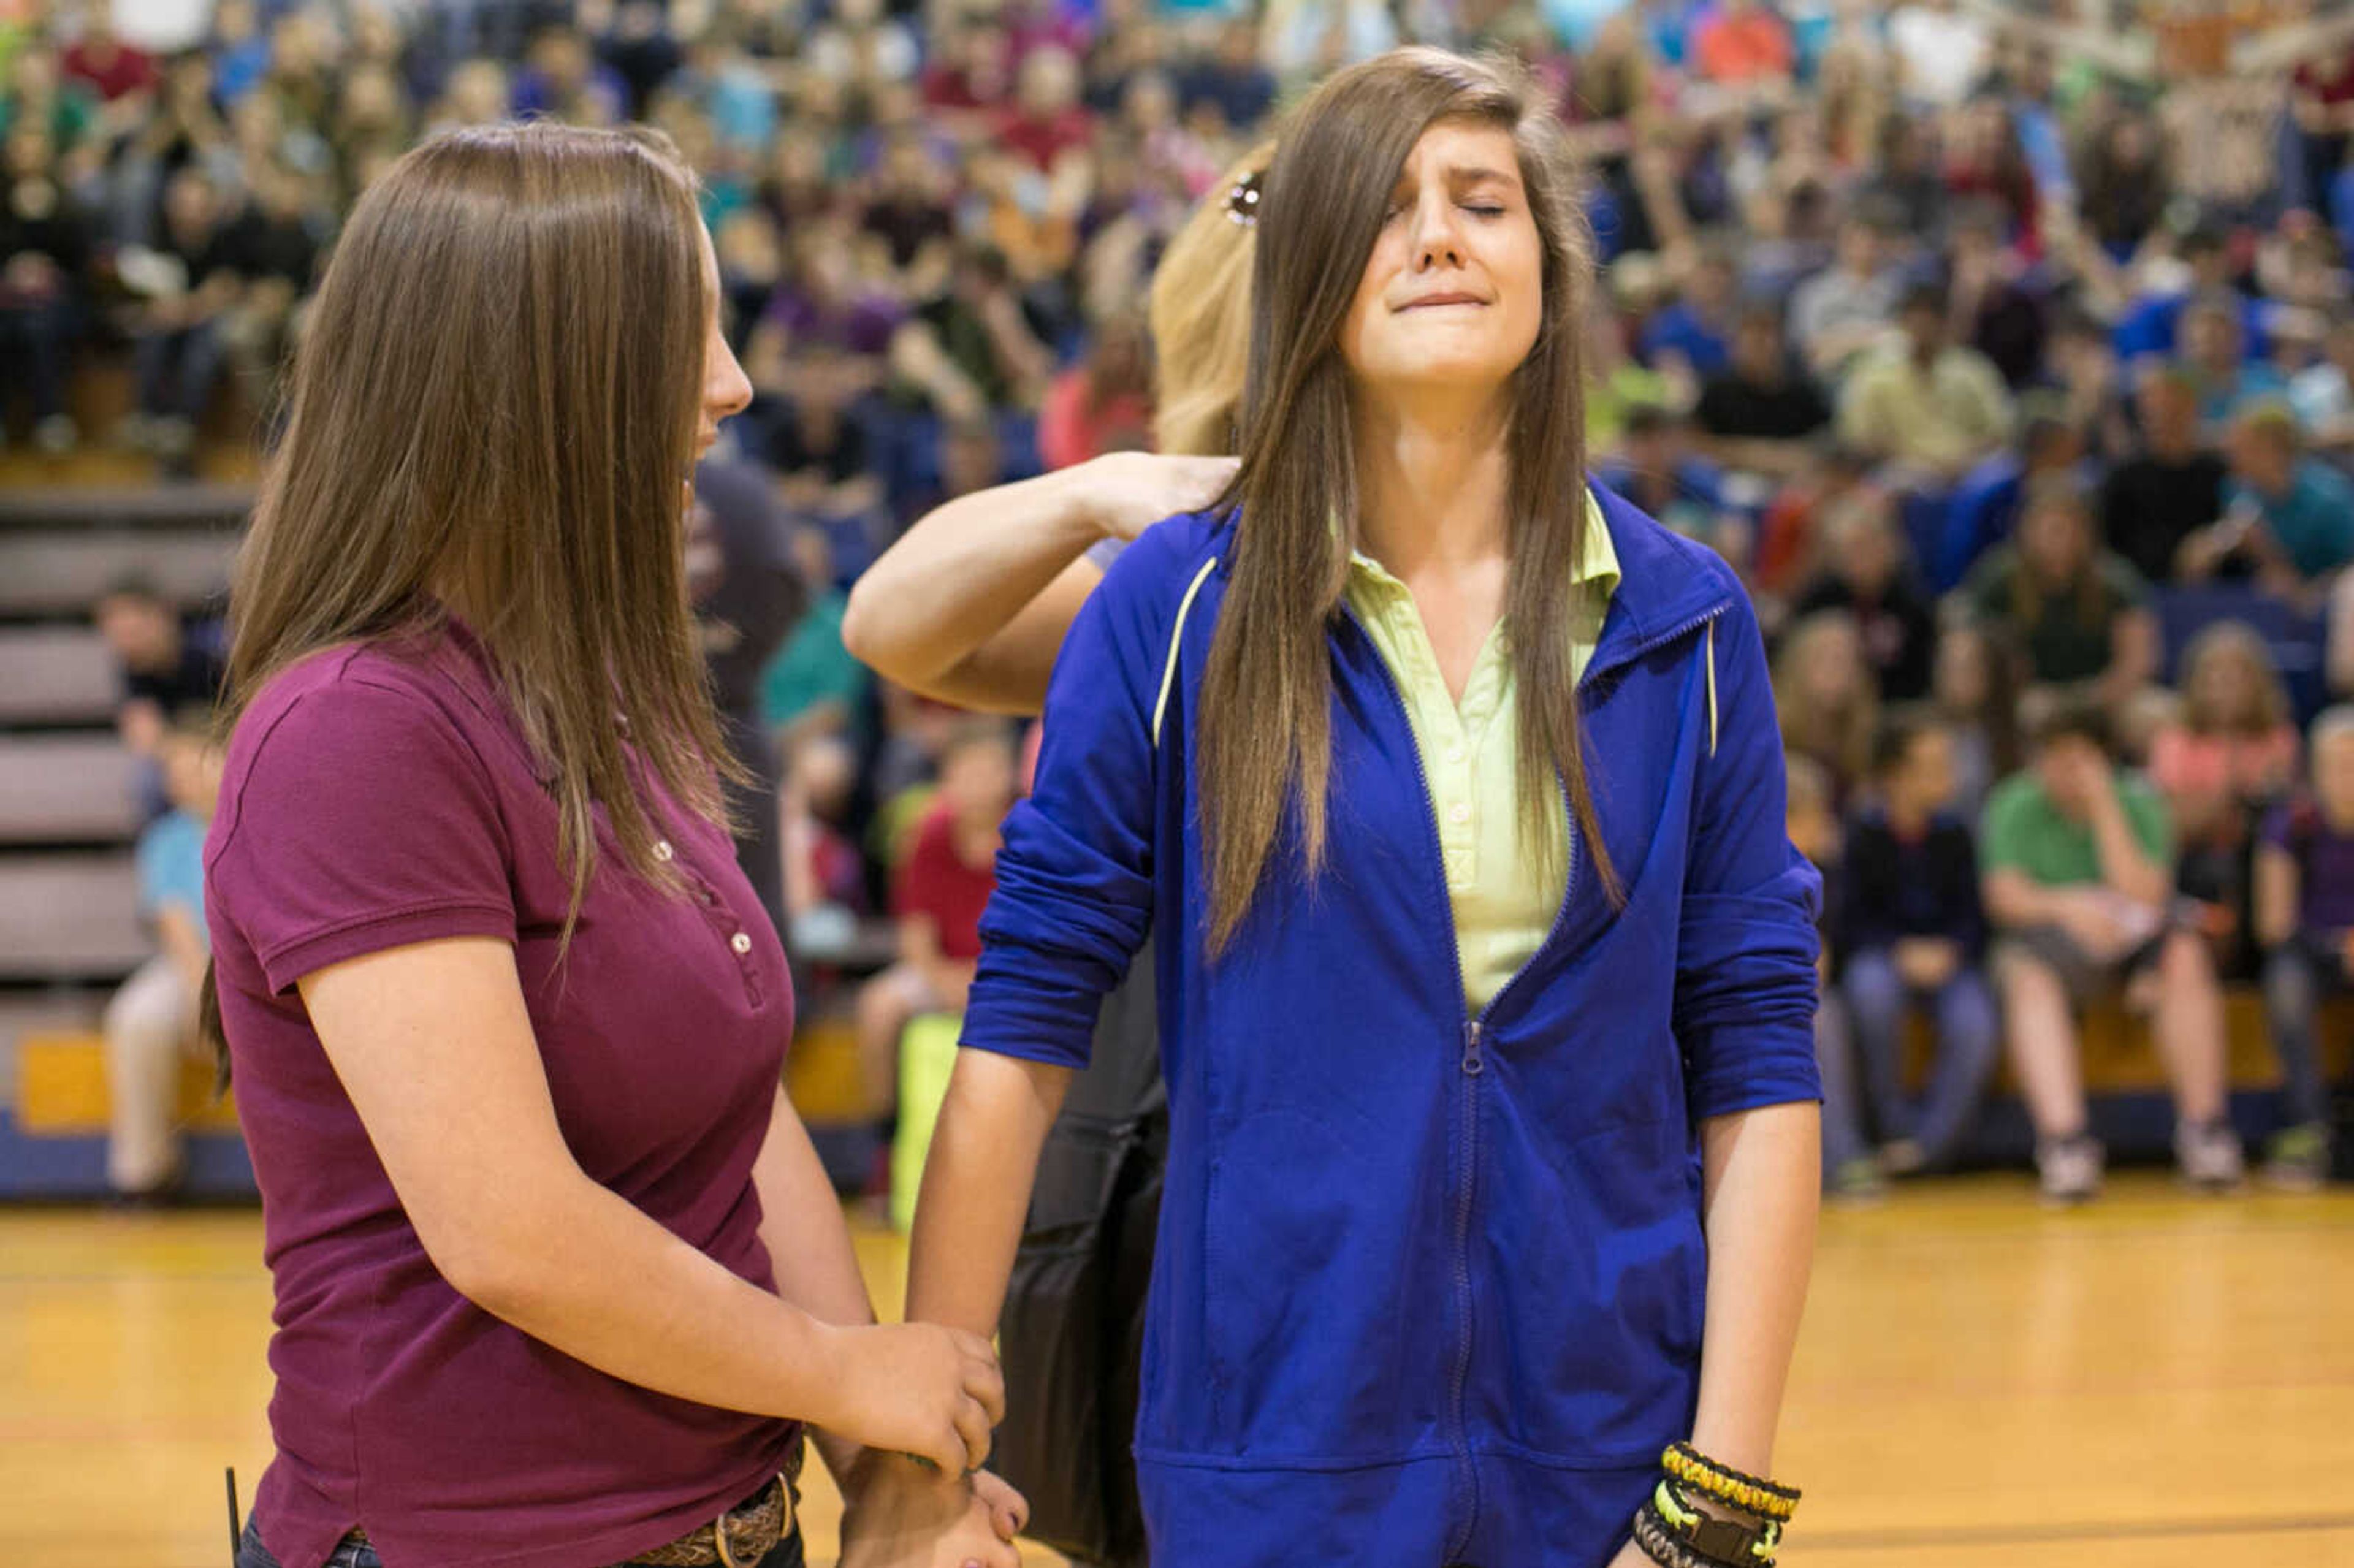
x=495 y=399
x=1265 y=725
x=2234 y=639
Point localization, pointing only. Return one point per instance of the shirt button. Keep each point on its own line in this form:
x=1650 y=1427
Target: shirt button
x=662 y=851
x=1460 y=812
x=741 y=943
x=1454 y=753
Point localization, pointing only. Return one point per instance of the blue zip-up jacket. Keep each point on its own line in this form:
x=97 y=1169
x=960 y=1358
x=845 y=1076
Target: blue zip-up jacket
x=1429 y=1289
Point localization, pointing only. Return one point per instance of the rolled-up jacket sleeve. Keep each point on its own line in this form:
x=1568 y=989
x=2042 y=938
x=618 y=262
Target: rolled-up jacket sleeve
x=1073 y=896
x=1746 y=979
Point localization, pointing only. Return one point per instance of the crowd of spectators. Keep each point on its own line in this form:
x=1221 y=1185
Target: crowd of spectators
x=2001 y=346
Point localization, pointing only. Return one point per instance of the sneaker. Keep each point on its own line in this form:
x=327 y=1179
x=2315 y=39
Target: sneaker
x=2069 y=1169
x=2297 y=1160
x=1902 y=1157
x=1859 y=1180
x=56 y=435
x=173 y=438
x=2208 y=1157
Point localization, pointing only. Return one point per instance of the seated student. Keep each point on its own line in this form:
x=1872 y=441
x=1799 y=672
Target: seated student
x=1827 y=697
x=1867 y=571
x=2215 y=355
x=166 y=664
x=1916 y=937
x=2221 y=760
x=2082 y=614
x=2078 y=864
x=1759 y=412
x=2171 y=488
x=942 y=884
x=1931 y=408
x=2288 y=519
x=2305 y=919
x=152 y=1019
x=1849 y=1171
x=1984 y=509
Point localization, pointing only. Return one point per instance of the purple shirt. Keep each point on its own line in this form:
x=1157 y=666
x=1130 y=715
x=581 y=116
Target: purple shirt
x=2325 y=865
x=860 y=326
x=377 y=798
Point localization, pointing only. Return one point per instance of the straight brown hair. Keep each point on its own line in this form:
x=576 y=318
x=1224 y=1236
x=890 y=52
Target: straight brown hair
x=497 y=399
x=1266 y=724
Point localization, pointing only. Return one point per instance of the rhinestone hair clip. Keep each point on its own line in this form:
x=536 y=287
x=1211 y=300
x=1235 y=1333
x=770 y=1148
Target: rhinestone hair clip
x=1242 y=202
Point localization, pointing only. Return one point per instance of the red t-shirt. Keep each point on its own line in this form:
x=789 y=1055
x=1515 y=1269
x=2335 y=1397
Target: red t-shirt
x=1070 y=431
x=1745 y=49
x=935 y=880
x=128 y=71
x=373 y=800
x=1044 y=141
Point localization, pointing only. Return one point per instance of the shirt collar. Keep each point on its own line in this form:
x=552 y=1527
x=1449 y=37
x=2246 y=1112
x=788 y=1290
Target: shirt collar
x=1598 y=565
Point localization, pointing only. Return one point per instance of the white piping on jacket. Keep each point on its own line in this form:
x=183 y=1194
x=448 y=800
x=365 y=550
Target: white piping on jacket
x=1177 y=640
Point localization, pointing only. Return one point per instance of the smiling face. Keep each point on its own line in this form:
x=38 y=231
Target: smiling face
x=1453 y=294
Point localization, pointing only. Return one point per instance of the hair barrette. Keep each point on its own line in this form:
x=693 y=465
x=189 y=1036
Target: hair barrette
x=1242 y=202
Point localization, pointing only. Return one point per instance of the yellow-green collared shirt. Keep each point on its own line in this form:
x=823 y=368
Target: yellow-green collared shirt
x=1504 y=901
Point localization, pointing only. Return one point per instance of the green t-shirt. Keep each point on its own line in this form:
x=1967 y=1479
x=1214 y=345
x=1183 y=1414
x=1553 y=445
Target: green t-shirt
x=2024 y=831
x=813 y=666
x=2068 y=636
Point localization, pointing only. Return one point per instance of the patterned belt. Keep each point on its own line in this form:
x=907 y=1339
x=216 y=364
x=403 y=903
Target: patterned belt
x=739 y=1538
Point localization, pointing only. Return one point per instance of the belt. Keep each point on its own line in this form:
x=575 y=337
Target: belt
x=739 y=1538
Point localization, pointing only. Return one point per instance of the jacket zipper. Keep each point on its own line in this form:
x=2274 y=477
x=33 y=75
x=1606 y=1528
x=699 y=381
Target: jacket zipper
x=1473 y=1064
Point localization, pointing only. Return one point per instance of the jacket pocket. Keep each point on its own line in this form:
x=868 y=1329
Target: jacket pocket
x=1597 y=1260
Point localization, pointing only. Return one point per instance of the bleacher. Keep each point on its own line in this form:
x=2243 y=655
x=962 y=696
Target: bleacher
x=69 y=809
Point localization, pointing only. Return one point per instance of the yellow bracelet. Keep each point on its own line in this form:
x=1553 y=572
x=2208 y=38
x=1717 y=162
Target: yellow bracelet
x=1712 y=1480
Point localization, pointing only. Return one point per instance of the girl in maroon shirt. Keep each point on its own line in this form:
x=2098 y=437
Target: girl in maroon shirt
x=560 y=1280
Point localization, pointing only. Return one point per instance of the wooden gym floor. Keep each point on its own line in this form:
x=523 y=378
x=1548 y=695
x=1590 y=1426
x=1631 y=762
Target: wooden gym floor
x=2155 y=1381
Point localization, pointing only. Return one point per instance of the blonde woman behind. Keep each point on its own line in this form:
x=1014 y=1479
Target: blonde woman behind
x=970 y=606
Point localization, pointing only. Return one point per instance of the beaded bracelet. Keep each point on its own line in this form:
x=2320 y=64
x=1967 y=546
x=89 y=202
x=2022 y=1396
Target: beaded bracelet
x=1659 y=1545
x=1710 y=1480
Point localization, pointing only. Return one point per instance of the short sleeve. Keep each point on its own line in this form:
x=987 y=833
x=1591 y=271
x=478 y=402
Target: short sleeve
x=2001 y=834
x=2153 y=825
x=2127 y=585
x=363 y=820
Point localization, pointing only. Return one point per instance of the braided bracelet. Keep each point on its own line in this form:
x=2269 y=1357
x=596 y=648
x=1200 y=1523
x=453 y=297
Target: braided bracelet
x=1659 y=1545
x=1719 y=1539
x=1727 y=1484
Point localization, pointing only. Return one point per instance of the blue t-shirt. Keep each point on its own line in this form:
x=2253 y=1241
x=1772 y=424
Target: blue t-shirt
x=2314 y=521
x=170 y=868
x=2218 y=403
x=1679 y=327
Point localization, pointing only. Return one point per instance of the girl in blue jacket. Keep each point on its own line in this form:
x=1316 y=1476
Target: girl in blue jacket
x=1486 y=979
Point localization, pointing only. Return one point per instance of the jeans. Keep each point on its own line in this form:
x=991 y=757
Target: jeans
x=176 y=370
x=1843 y=1138
x=2298 y=975
x=37 y=344
x=1968 y=1042
x=251 y=1554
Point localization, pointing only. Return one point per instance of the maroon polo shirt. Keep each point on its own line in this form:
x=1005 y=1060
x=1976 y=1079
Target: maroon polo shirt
x=380 y=796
